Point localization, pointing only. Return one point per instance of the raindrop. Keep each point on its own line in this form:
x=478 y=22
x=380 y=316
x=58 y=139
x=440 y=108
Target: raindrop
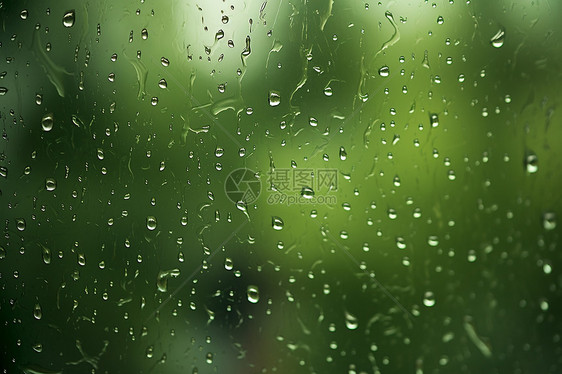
x=498 y=39
x=313 y=122
x=277 y=223
x=50 y=184
x=37 y=314
x=434 y=120
x=3 y=91
x=440 y=20
x=164 y=61
x=151 y=223
x=47 y=122
x=384 y=71
x=69 y=18
x=549 y=221
x=343 y=154
x=162 y=83
x=253 y=294
x=307 y=192
x=144 y=34
x=531 y=163
x=351 y=321
x=328 y=91
x=23 y=14
x=429 y=299
x=274 y=98
x=228 y=264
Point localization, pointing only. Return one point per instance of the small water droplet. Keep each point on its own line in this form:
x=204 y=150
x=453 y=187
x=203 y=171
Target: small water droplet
x=151 y=223
x=440 y=20
x=69 y=18
x=384 y=71
x=228 y=264
x=20 y=224
x=3 y=91
x=307 y=192
x=433 y=120
x=343 y=154
x=313 y=122
x=277 y=223
x=144 y=34
x=274 y=98
x=531 y=163
x=549 y=221
x=351 y=321
x=253 y=294
x=37 y=313
x=47 y=122
x=50 y=184
x=498 y=39
x=162 y=83
x=429 y=299
x=164 y=61
x=328 y=91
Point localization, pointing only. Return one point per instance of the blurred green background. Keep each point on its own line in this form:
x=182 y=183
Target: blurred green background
x=437 y=251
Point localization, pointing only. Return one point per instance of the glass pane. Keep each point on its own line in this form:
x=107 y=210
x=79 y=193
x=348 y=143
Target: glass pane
x=307 y=186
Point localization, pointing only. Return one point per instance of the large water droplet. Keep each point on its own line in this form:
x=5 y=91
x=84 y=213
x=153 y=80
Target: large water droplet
x=253 y=294
x=69 y=18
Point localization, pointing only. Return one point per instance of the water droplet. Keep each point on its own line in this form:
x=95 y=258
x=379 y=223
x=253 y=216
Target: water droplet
x=20 y=224
x=23 y=14
x=531 y=163
x=328 y=91
x=3 y=91
x=440 y=20
x=313 y=122
x=228 y=264
x=50 y=184
x=144 y=34
x=433 y=240
x=384 y=71
x=150 y=351
x=225 y=19
x=549 y=220
x=392 y=213
x=351 y=321
x=47 y=122
x=162 y=83
x=274 y=98
x=433 y=120
x=400 y=243
x=219 y=35
x=253 y=294
x=498 y=39
x=277 y=223
x=164 y=61
x=154 y=101
x=46 y=255
x=151 y=223
x=69 y=18
x=343 y=154
x=307 y=192
x=429 y=299
x=37 y=311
